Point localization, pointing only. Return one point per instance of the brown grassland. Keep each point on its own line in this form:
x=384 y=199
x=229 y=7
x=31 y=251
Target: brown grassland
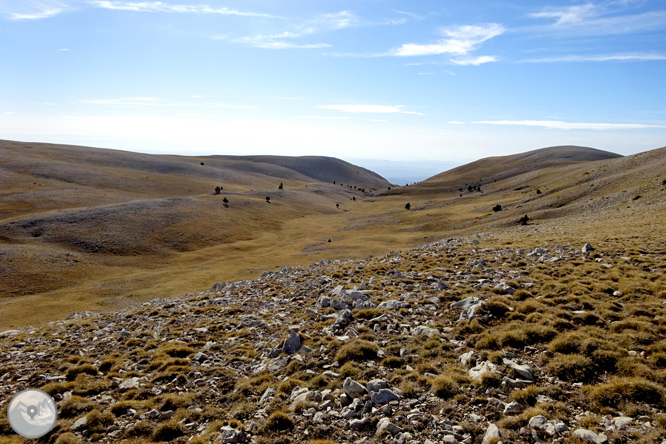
x=84 y=229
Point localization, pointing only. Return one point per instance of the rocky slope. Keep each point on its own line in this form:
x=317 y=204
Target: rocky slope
x=466 y=340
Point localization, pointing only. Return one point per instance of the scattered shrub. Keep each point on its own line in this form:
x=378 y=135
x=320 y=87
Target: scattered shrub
x=572 y=367
x=444 y=386
x=168 y=431
x=357 y=350
x=279 y=421
x=620 y=392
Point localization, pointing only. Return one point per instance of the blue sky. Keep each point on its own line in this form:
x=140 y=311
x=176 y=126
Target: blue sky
x=423 y=80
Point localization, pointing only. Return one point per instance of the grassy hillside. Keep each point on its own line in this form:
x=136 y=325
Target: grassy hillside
x=89 y=229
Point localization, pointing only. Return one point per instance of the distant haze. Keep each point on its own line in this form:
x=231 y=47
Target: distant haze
x=405 y=172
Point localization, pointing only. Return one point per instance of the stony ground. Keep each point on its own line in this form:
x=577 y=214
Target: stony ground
x=459 y=341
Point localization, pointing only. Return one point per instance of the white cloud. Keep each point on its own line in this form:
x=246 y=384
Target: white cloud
x=33 y=9
x=378 y=109
x=476 y=61
x=288 y=45
x=63 y=49
x=556 y=124
x=592 y=19
x=460 y=41
x=153 y=101
x=321 y=23
x=570 y=14
x=165 y=7
x=600 y=58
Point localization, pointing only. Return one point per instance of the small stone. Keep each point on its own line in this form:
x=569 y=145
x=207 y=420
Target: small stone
x=384 y=396
x=79 y=424
x=481 y=369
x=587 y=247
x=391 y=304
x=524 y=371
x=376 y=384
x=200 y=357
x=231 y=435
x=357 y=424
x=589 y=435
x=513 y=408
x=128 y=384
x=449 y=439
x=492 y=432
x=353 y=389
x=293 y=343
x=268 y=393
x=385 y=424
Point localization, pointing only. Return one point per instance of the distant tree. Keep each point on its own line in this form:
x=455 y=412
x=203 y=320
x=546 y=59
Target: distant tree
x=225 y=201
x=281 y=186
x=538 y=191
x=497 y=208
x=333 y=182
x=268 y=199
x=329 y=240
x=217 y=190
x=354 y=198
x=202 y=163
x=389 y=188
x=408 y=206
x=523 y=220
x=337 y=205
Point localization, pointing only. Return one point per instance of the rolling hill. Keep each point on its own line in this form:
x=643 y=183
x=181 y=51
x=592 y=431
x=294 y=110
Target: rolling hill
x=93 y=229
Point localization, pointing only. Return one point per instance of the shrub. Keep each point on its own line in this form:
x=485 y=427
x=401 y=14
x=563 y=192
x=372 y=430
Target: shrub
x=444 y=386
x=67 y=438
x=357 y=350
x=141 y=428
x=572 y=368
x=496 y=306
x=177 y=350
x=87 y=369
x=168 y=431
x=74 y=406
x=620 y=392
x=393 y=362
x=279 y=421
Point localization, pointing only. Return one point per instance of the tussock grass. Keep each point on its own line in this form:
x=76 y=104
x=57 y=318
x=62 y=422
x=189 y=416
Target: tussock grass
x=621 y=392
x=278 y=422
x=357 y=350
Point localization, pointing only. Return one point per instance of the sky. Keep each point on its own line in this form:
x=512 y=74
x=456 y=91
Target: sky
x=419 y=81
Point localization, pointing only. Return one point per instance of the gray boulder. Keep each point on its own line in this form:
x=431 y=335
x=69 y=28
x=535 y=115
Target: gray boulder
x=383 y=396
x=492 y=432
x=353 y=389
x=589 y=435
x=391 y=304
x=292 y=344
x=469 y=307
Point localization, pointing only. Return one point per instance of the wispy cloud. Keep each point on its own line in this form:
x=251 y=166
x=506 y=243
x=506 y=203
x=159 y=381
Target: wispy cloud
x=169 y=8
x=568 y=15
x=378 y=109
x=600 y=58
x=556 y=124
x=319 y=24
x=323 y=118
x=475 y=61
x=591 y=19
x=459 y=40
x=33 y=10
x=63 y=50
x=290 y=45
x=153 y=101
